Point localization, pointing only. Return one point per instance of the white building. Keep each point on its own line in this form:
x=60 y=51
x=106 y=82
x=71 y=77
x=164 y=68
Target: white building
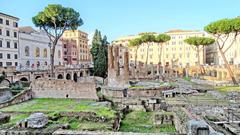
x=34 y=49
x=8 y=40
x=232 y=53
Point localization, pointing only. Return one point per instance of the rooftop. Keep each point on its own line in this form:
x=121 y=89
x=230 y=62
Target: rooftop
x=3 y=14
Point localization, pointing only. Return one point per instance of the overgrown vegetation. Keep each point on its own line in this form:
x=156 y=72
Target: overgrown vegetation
x=61 y=105
x=228 y=88
x=141 y=121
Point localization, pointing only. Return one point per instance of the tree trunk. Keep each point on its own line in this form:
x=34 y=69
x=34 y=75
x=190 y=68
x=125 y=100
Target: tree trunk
x=135 y=66
x=199 y=65
x=228 y=67
x=146 y=63
x=52 y=54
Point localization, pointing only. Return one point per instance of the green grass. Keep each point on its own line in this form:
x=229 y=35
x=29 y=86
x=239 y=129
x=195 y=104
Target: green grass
x=14 y=119
x=142 y=122
x=136 y=87
x=60 y=105
x=187 y=79
x=78 y=124
x=227 y=88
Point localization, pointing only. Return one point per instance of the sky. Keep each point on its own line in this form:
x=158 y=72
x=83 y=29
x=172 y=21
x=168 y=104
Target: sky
x=116 y=18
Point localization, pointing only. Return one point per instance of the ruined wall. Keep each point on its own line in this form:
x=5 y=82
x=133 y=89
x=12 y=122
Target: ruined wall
x=21 y=97
x=51 y=88
x=150 y=92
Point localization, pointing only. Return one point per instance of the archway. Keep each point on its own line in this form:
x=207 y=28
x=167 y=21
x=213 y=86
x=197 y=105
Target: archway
x=60 y=76
x=37 y=77
x=75 y=77
x=81 y=74
x=23 y=79
x=5 y=82
x=68 y=77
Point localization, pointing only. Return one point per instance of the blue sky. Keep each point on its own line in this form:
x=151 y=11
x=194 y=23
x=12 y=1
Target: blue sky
x=116 y=18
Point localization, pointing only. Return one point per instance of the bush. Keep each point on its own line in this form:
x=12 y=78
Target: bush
x=26 y=84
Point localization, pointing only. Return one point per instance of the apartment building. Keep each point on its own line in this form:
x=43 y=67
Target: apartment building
x=175 y=53
x=69 y=52
x=34 y=49
x=83 y=50
x=232 y=52
x=9 y=44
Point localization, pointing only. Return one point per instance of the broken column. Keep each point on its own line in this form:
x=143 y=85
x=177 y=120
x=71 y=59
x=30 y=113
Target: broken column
x=118 y=73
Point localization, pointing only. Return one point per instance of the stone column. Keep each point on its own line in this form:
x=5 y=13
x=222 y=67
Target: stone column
x=126 y=66
x=116 y=60
x=110 y=57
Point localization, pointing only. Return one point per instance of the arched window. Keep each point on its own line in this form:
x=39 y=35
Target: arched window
x=26 y=51
x=37 y=52
x=45 y=53
x=38 y=64
x=28 y=63
x=59 y=54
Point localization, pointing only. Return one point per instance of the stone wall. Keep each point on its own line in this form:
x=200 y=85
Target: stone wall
x=144 y=92
x=21 y=97
x=52 y=88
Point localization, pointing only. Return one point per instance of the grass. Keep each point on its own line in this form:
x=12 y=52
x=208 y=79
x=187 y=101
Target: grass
x=142 y=122
x=136 y=87
x=225 y=89
x=61 y=105
x=14 y=119
x=78 y=124
x=187 y=79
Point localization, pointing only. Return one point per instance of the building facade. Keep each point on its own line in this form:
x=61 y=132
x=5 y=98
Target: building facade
x=83 y=50
x=232 y=52
x=34 y=49
x=9 y=44
x=69 y=52
x=175 y=53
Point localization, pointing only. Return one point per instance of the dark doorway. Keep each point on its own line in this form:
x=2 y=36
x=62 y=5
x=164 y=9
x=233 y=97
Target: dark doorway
x=75 y=77
x=68 y=77
x=60 y=76
x=24 y=79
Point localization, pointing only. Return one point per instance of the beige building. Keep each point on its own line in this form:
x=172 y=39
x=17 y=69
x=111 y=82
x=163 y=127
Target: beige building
x=175 y=53
x=83 y=50
x=8 y=40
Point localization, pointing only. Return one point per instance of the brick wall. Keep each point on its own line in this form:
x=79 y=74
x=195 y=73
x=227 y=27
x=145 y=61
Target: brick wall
x=51 y=88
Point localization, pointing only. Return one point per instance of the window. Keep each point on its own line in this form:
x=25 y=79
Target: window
x=45 y=53
x=7 y=33
x=0 y=31
x=0 y=43
x=166 y=55
x=15 y=24
x=1 y=55
x=8 y=44
x=37 y=52
x=8 y=56
x=173 y=43
x=9 y=63
x=1 y=64
x=26 y=51
x=16 y=64
x=1 y=21
x=15 y=45
x=28 y=63
x=7 y=22
x=15 y=56
x=59 y=54
x=15 y=34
